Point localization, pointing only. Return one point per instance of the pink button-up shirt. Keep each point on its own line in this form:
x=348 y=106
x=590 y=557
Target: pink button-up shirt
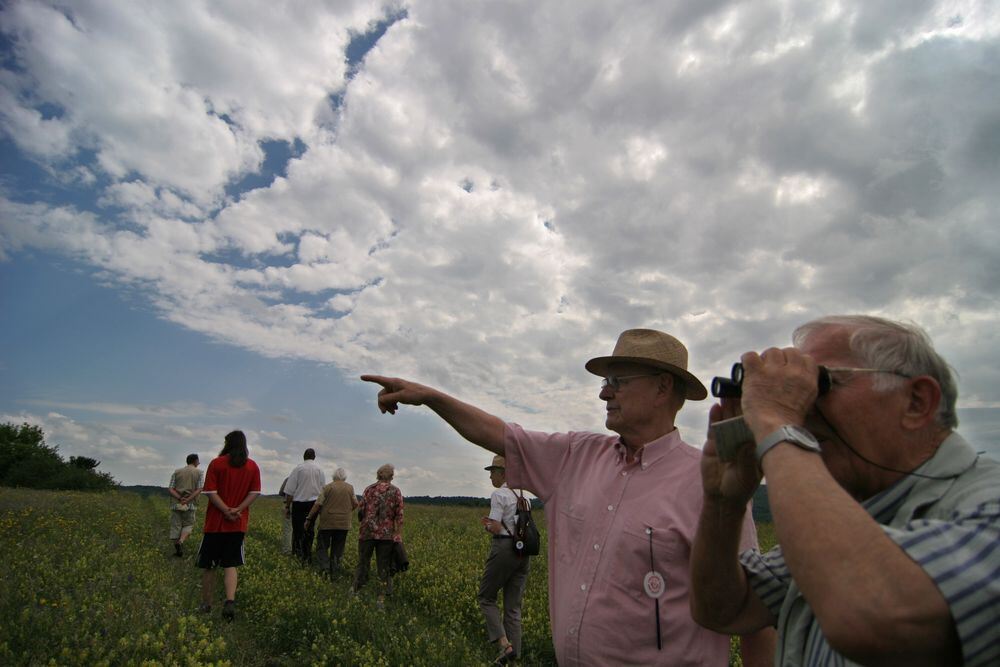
x=598 y=509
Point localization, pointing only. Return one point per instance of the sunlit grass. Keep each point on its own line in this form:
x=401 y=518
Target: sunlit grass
x=89 y=580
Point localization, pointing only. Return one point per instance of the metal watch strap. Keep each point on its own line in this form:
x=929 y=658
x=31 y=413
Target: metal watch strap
x=796 y=435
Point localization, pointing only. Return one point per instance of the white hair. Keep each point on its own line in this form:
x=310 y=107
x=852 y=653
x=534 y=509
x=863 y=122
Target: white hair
x=339 y=475
x=893 y=346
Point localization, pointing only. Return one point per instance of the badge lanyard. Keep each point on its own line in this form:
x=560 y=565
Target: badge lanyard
x=653 y=584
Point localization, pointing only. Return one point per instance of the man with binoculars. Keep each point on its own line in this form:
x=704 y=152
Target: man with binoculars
x=888 y=521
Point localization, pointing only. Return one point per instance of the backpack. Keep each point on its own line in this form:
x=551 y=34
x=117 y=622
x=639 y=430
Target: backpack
x=527 y=541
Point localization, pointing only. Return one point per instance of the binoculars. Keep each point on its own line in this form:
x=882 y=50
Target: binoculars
x=732 y=386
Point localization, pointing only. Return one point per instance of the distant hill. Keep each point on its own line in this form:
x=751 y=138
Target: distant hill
x=146 y=490
x=463 y=501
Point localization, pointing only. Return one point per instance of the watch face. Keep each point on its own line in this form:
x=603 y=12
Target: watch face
x=803 y=438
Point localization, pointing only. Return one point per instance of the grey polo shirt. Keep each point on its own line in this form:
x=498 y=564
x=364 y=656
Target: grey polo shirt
x=950 y=527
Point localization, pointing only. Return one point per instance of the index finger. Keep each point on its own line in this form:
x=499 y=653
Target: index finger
x=378 y=379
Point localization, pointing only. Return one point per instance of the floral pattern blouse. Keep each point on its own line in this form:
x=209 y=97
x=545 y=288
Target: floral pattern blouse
x=382 y=513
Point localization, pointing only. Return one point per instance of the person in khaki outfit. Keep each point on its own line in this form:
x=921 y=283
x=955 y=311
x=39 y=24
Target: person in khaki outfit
x=334 y=506
x=185 y=487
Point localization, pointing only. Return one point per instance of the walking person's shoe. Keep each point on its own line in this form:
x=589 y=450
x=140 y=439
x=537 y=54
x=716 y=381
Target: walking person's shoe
x=229 y=610
x=507 y=656
x=205 y=608
x=178 y=552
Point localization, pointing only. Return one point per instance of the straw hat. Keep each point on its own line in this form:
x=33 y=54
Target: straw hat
x=498 y=462
x=651 y=348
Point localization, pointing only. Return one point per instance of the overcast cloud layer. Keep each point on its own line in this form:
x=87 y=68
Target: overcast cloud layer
x=500 y=188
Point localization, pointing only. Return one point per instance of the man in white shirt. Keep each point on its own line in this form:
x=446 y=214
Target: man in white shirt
x=302 y=489
x=505 y=570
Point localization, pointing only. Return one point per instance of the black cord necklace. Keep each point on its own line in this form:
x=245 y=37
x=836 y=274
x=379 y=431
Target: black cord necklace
x=887 y=468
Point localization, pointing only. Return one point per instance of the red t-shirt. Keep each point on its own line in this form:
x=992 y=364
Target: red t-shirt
x=232 y=485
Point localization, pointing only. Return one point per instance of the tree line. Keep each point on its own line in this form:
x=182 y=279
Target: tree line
x=25 y=460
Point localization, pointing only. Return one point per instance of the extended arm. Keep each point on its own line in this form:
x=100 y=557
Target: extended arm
x=473 y=424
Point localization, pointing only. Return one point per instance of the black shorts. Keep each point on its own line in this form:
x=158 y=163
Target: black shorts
x=220 y=550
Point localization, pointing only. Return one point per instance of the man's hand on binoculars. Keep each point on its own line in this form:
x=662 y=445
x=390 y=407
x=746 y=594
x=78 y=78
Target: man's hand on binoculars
x=779 y=387
x=729 y=483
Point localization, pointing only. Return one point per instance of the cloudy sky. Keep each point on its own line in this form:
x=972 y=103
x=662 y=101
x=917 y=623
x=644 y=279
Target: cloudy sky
x=216 y=215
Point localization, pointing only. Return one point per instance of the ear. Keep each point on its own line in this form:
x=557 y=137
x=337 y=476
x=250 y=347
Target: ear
x=667 y=389
x=666 y=383
x=922 y=403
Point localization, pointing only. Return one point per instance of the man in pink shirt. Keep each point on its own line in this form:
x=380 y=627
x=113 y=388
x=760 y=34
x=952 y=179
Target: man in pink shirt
x=621 y=510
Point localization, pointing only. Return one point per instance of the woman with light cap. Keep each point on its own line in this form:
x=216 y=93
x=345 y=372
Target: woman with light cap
x=505 y=569
x=335 y=504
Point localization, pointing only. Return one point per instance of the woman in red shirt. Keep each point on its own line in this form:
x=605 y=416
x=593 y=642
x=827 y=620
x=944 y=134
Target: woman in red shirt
x=232 y=484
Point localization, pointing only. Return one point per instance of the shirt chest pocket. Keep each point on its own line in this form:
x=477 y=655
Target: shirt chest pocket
x=641 y=547
x=571 y=526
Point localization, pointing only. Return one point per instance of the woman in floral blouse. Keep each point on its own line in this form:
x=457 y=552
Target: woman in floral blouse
x=380 y=527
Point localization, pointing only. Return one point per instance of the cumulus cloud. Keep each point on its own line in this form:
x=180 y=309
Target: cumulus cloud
x=499 y=189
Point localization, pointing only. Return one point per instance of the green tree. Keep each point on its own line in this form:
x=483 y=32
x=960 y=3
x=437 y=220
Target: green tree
x=25 y=460
x=84 y=462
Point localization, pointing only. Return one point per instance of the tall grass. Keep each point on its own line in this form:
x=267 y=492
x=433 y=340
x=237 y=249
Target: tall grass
x=89 y=580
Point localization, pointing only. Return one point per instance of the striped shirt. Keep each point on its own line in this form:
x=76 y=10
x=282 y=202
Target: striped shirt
x=950 y=526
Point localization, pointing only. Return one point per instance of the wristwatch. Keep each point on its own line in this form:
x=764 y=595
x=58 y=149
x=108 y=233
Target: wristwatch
x=796 y=435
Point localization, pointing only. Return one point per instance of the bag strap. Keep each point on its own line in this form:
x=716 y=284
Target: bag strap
x=523 y=503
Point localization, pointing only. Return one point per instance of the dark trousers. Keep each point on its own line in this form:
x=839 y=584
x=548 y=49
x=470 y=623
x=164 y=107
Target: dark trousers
x=505 y=571
x=330 y=549
x=302 y=539
x=383 y=561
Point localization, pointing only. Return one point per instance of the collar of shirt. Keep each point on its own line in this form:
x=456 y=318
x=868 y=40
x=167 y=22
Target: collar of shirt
x=953 y=457
x=651 y=452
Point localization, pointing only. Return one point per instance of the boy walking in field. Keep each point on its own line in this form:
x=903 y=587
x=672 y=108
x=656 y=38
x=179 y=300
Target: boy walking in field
x=184 y=488
x=232 y=484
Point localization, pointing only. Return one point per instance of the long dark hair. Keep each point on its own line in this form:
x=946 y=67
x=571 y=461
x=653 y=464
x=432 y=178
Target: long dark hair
x=236 y=447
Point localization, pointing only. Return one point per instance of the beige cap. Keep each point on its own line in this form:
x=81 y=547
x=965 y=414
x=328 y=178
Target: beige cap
x=651 y=348
x=498 y=462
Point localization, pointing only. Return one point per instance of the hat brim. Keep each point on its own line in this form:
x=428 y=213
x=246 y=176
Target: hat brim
x=494 y=468
x=695 y=389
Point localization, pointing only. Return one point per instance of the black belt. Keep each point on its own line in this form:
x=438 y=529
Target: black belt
x=503 y=537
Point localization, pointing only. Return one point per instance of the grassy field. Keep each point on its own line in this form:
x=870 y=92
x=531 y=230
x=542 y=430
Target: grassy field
x=89 y=580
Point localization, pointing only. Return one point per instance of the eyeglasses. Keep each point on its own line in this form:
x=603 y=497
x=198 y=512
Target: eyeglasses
x=616 y=381
x=833 y=381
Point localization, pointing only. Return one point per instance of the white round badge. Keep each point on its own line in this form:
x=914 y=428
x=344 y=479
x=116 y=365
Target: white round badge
x=653 y=584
